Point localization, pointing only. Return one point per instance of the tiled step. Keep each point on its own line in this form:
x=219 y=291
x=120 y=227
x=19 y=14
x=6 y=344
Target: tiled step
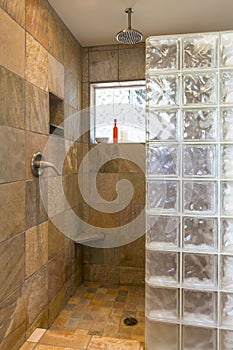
x=43 y=339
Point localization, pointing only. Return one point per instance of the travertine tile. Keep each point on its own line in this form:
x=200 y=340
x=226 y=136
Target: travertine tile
x=28 y=346
x=71 y=88
x=41 y=320
x=72 y=54
x=132 y=64
x=37 y=20
x=12 y=48
x=12 y=142
x=65 y=339
x=34 y=143
x=85 y=96
x=36 y=71
x=56 y=77
x=132 y=275
x=56 y=35
x=56 y=240
x=56 y=274
x=104 y=273
x=36 y=109
x=49 y=347
x=98 y=343
x=11 y=99
x=12 y=220
x=56 y=304
x=12 y=265
x=36 y=294
x=36 y=335
x=103 y=66
x=36 y=247
x=133 y=254
x=137 y=180
x=35 y=212
x=16 y=9
x=85 y=63
x=12 y=313
x=15 y=339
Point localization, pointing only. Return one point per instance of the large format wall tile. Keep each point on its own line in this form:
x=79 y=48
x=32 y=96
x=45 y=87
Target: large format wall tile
x=132 y=64
x=13 y=313
x=103 y=65
x=36 y=247
x=11 y=99
x=35 y=212
x=34 y=143
x=36 y=109
x=16 y=9
x=72 y=54
x=12 y=213
x=12 y=265
x=71 y=88
x=56 y=77
x=36 y=71
x=12 y=142
x=56 y=35
x=37 y=20
x=12 y=48
x=56 y=274
x=36 y=294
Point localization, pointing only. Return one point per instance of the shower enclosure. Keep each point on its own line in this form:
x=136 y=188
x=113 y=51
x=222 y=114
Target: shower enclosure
x=189 y=249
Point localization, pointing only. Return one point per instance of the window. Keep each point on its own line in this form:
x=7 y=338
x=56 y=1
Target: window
x=124 y=101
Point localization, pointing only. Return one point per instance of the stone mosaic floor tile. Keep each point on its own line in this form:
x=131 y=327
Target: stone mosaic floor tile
x=93 y=319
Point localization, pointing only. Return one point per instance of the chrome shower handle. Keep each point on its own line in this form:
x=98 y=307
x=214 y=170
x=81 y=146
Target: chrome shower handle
x=38 y=165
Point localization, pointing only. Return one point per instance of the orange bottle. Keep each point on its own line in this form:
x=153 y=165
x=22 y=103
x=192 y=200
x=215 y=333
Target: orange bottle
x=115 y=132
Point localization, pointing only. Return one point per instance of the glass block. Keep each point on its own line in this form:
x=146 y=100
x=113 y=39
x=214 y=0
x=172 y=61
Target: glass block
x=200 y=196
x=199 y=51
x=199 y=306
x=162 y=90
x=162 y=160
x=227 y=309
x=226 y=228
x=162 y=125
x=200 y=124
x=200 y=88
x=226 y=124
x=199 y=270
x=199 y=161
x=227 y=161
x=226 y=56
x=163 y=195
x=162 y=54
x=227 y=272
x=200 y=233
x=162 y=231
x=162 y=303
x=161 y=336
x=226 y=87
x=226 y=338
x=226 y=198
x=162 y=268
x=198 y=338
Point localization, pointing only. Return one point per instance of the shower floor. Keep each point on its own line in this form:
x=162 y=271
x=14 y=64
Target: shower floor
x=93 y=319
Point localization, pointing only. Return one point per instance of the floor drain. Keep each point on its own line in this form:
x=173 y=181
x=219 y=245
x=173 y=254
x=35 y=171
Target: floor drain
x=130 y=321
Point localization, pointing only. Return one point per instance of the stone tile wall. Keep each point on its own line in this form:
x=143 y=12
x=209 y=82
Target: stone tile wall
x=39 y=266
x=123 y=264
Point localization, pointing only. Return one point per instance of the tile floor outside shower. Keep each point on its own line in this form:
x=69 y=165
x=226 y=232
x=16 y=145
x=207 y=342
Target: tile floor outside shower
x=93 y=319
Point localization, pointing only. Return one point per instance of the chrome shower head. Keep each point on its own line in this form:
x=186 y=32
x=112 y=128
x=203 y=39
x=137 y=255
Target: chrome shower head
x=129 y=35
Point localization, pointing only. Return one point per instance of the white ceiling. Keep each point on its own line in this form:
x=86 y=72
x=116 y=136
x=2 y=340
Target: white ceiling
x=96 y=22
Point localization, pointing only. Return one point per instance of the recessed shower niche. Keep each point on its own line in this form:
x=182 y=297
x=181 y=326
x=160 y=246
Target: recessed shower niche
x=189 y=267
x=56 y=114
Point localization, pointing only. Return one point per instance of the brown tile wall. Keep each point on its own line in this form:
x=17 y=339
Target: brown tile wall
x=40 y=267
x=123 y=264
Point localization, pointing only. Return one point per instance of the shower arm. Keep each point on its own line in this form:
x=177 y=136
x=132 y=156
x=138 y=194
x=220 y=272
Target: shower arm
x=38 y=165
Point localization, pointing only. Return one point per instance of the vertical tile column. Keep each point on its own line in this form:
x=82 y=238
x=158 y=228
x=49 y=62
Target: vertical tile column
x=189 y=279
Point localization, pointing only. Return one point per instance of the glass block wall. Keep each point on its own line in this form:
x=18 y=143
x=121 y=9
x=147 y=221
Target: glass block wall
x=189 y=249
